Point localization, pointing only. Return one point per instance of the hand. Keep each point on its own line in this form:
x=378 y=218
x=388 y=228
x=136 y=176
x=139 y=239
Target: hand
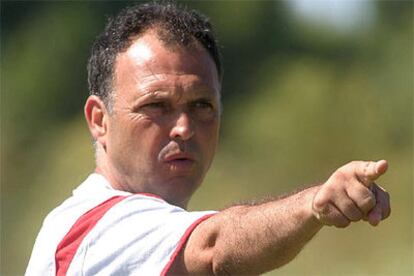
x=350 y=194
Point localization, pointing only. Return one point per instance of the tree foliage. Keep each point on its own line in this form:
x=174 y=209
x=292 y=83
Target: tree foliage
x=299 y=101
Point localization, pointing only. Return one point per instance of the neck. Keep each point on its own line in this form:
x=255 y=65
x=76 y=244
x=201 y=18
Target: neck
x=122 y=182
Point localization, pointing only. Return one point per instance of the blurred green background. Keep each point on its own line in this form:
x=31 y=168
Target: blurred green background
x=308 y=86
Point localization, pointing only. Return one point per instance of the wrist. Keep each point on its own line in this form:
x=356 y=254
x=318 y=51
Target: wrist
x=311 y=215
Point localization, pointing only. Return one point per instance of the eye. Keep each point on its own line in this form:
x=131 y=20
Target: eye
x=155 y=105
x=203 y=110
x=157 y=108
x=203 y=105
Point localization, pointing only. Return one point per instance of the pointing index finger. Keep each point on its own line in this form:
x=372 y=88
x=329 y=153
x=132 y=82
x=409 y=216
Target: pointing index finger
x=367 y=172
x=381 y=167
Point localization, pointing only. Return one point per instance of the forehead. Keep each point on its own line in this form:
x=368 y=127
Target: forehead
x=149 y=62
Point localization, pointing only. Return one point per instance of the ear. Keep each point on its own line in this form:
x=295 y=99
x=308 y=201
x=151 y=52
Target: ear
x=97 y=118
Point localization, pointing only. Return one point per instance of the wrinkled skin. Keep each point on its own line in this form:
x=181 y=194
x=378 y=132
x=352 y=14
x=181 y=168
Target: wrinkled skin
x=162 y=133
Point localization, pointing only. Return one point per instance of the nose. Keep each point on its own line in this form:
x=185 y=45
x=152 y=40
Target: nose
x=182 y=128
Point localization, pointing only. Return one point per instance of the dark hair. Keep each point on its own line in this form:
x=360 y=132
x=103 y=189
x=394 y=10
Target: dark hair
x=174 y=25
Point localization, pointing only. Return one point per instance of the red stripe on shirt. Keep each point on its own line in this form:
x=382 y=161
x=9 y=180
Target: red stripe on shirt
x=182 y=242
x=67 y=248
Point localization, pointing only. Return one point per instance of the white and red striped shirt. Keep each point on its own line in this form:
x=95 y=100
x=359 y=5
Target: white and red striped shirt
x=102 y=231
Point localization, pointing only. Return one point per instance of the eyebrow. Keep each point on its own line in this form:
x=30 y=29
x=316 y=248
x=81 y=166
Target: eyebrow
x=161 y=90
x=202 y=94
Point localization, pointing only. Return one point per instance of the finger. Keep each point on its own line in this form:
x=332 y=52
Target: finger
x=374 y=217
x=363 y=197
x=368 y=171
x=348 y=208
x=382 y=208
x=385 y=202
x=330 y=215
x=337 y=218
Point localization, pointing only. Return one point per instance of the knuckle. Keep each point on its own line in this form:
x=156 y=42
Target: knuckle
x=320 y=202
x=329 y=190
x=340 y=176
x=354 y=163
x=324 y=196
x=352 y=213
x=366 y=167
x=371 y=202
x=368 y=203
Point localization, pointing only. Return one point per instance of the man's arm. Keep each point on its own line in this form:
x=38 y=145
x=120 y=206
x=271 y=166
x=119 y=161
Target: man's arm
x=256 y=239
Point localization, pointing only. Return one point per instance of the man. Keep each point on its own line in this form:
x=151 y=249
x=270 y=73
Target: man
x=154 y=113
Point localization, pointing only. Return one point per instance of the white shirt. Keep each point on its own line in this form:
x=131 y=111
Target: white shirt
x=102 y=231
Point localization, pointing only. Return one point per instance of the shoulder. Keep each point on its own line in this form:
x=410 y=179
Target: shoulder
x=141 y=232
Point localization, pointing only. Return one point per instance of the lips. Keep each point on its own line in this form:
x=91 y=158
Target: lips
x=181 y=163
x=181 y=156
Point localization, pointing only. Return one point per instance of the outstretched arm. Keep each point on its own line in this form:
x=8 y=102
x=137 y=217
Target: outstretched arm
x=256 y=239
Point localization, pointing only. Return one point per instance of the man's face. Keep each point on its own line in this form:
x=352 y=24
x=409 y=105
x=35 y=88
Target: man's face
x=163 y=130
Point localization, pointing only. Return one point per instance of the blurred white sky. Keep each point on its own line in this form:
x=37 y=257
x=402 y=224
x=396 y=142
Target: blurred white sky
x=343 y=15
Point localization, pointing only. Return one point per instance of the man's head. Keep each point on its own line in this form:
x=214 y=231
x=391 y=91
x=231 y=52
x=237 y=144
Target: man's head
x=175 y=25
x=157 y=129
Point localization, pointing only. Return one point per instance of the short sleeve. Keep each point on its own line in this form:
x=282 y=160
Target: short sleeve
x=140 y=235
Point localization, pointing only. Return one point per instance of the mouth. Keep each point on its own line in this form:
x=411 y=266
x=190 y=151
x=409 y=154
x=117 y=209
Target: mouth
x=180 y=161
x=179 y=157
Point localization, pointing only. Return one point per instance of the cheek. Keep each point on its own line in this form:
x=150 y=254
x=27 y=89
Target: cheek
x=132 y=135
x=209 y=134
x=148 y=138
x=214 y=128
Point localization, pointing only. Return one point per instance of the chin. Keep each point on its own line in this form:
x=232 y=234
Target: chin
x=180 y=190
